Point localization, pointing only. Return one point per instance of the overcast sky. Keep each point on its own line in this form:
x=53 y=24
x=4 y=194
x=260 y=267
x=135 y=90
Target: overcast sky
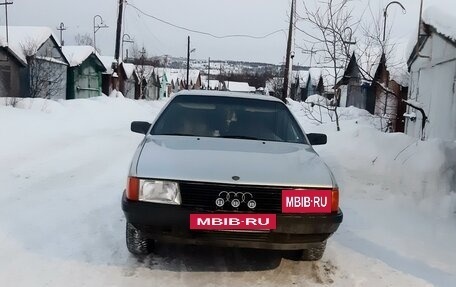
x=220 y=17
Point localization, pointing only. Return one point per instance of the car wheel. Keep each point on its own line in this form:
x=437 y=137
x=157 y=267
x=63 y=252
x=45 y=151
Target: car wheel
x=137 y=244
x=314 y=253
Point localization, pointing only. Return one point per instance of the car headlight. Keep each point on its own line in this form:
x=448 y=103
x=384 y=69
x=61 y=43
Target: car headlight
x=157 y=191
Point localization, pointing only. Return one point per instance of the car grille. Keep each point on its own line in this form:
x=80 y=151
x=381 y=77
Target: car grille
x=204 y=195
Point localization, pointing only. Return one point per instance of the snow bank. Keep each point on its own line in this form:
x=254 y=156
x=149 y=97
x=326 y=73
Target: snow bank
x=402 y=167
x=40 y=122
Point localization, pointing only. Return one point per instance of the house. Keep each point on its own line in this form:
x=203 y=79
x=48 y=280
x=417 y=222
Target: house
x=148 y=85
x=109 y=78
x=162 y=78
x=210 y=84
x=274 y=87
x=315 y=84
x=299 y=84
x=152 y=89
x=35 y=56
x=432 y=66
x=354 y=88
x=11 y=67
x=194 y=79
x=390 y=87
x=128 y=80
x=84 y=78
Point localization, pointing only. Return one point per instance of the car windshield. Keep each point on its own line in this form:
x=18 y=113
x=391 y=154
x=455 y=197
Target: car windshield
x=229 y=117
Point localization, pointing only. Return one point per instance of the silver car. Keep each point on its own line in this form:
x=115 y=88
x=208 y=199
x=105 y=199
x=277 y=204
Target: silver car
x=229 y=169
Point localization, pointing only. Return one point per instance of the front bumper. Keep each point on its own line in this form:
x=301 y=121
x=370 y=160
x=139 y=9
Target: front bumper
x=170 y=223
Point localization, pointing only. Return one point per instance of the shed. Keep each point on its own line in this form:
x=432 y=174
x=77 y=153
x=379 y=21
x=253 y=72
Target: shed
x=432 y=66
x=84 y=73
x=45 y=73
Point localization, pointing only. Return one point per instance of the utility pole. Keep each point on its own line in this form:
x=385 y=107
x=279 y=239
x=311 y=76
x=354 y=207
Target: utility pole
x=61 y=28
x=188 y=62
x=209 y=74
x=119 y=31
x=288 y=57
x=6 y=19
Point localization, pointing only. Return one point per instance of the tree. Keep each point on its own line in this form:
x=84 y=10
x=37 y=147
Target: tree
x=83 y=39
x=329 y=24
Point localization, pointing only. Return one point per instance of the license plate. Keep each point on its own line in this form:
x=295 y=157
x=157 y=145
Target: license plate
x=232 y=221
x=306 y=201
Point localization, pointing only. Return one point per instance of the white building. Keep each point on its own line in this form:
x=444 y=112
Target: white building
x=432 y=85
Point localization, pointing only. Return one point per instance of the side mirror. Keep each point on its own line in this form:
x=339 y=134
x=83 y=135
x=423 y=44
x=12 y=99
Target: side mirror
x=317 y=139
x=140 y=127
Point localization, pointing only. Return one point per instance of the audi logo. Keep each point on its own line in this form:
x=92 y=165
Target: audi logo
x=235 y=199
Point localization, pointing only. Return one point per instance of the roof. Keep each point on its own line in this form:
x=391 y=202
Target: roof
x=396 y=62
x=107 y=62
x=227 y=94
x=239 y=87
x=315 y=75
x=76 y=55
x=22 y=38
x=303 y=77
x=129 y=69
x=443 y=20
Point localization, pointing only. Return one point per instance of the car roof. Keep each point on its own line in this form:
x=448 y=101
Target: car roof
x=227 y=94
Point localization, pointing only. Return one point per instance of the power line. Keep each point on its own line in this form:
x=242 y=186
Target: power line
x=202 y=32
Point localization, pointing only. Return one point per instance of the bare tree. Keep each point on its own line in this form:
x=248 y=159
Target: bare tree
x=329 y=24
x=44 y=74
x=83 y=39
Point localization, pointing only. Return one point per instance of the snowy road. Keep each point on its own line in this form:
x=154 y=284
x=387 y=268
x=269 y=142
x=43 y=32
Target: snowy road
x=61 y=223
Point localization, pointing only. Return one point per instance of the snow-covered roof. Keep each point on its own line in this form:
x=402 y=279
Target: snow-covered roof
x=274 y=83
x=107 y=62
x=129 y=69
x=396 y=62
x=213 y=84
x=24 y=40
x=76 y=55
x=303 y=77
x=315 y=74
x=239 y=87
x=442 y=19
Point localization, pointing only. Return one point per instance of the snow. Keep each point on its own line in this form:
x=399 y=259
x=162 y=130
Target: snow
x=317 y=99
x=315 y=75
x=303 y=77
x=414 y=103
x=129 y=69
x=63 y=167
x=21 y=37
x=397 y=62
x=107 y=62
x=442 y=20
x=76 y=55
x=239 y=87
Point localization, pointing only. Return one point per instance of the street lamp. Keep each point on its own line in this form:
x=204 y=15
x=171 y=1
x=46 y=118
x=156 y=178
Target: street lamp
x=385 y=14
x=128 y=40
x=97 y=27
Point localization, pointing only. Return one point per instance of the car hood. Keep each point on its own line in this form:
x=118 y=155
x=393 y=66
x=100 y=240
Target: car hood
x=217 y=160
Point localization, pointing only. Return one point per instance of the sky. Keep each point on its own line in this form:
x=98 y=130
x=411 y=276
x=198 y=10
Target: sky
x=219 y=17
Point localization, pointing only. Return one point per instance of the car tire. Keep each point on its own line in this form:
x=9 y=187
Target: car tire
x=137 y=244
x=314 y=253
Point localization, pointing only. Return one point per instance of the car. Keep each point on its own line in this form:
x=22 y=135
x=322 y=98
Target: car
x=229 y=169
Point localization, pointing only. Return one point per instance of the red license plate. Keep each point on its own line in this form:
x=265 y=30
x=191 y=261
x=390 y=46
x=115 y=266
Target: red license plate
x=232 y=221
x=306 y=201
